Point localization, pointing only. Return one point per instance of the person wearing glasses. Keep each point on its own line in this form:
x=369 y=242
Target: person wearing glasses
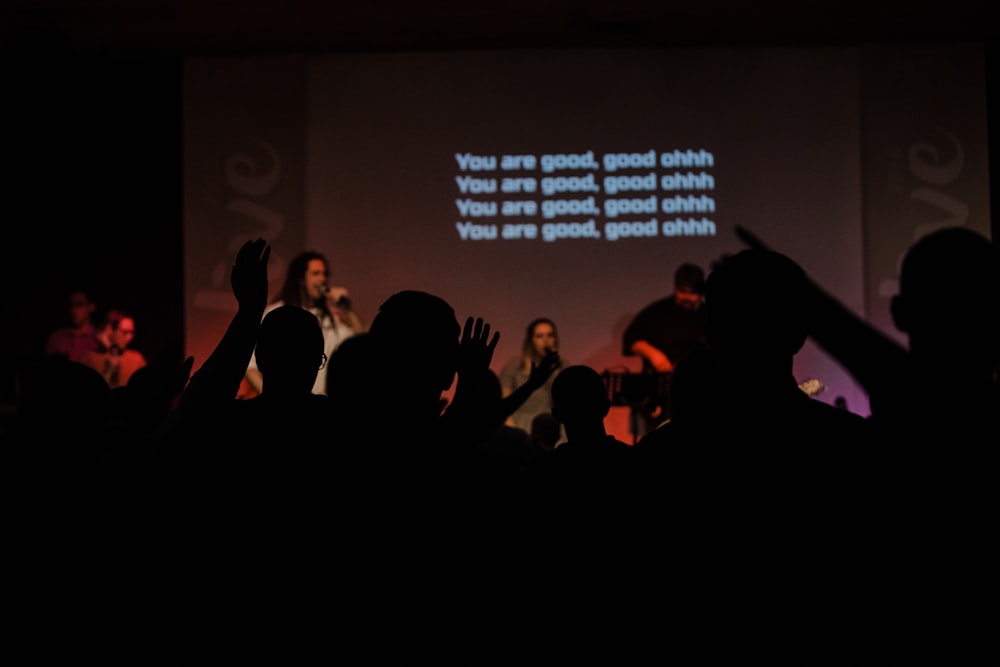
x=113 y=357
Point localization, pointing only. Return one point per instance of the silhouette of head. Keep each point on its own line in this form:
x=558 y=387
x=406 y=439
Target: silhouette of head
x=545 y=429
x=579 y=395
x=420 y=333
x=289 y=350
x=356 y=377
x=949 y=296
x=755 y=301
x=63 y=413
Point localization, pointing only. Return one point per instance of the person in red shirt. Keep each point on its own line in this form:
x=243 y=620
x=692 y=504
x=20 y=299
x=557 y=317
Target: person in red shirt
x=80 y=336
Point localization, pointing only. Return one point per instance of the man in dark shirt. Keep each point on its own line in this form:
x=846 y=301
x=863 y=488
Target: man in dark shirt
x=662 y=333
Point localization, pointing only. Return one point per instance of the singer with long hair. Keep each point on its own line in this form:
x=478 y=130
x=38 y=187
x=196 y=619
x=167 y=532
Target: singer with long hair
x=307 y=285
x=540 y=337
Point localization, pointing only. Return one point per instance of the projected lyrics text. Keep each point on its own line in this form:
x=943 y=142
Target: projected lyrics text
x=586 y=195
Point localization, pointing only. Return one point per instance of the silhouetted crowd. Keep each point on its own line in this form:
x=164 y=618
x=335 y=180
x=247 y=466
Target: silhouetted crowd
x=168 y=521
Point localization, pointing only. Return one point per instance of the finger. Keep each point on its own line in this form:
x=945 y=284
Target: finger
x=493 y=343
x=467 y=331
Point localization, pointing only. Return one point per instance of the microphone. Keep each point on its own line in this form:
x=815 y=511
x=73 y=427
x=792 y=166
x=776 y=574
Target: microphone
x=342 y=302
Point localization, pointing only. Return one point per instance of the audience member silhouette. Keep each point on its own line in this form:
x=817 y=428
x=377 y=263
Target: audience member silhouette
x=255 y=459
x=424 y=508
x=410 y=440
x=590 y=458
x=696 y=386
x=758 y=485
x=285 y=421
x=578 y=512
x=476 y=394
x=796 y=531
x=231 y=501
x=419 y=337
x=151 y=393
x=546 y=432
x=513 y=446
x=418 y=351
x=589 y=476
x=390 y=387
x=60 y=437
x=62 y=433
x=166 y=477
x=753 y=343
x=409 y=450
x=272 y=488
x=931 y=454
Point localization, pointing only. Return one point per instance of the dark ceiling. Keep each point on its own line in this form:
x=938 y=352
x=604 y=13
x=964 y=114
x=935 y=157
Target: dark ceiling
x=217 y=27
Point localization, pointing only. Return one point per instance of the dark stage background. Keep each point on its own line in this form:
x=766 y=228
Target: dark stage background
x=92 y=117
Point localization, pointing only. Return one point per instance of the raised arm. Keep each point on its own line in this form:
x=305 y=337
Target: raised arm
x=465 y=416
x=540 y=373
x=873 y=359
x=219 y=377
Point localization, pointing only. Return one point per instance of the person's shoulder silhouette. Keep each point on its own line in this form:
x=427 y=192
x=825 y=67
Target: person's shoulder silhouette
x=947 y=402
x=580 y=400
x=285 y=422
x=939 y=429
x=592 y=466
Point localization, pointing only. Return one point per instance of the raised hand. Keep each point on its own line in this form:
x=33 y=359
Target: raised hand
x=476 y=348
x=249 y=275
x=218 y=379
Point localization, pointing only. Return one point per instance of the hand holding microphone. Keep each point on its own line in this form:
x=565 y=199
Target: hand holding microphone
x=336 y=297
